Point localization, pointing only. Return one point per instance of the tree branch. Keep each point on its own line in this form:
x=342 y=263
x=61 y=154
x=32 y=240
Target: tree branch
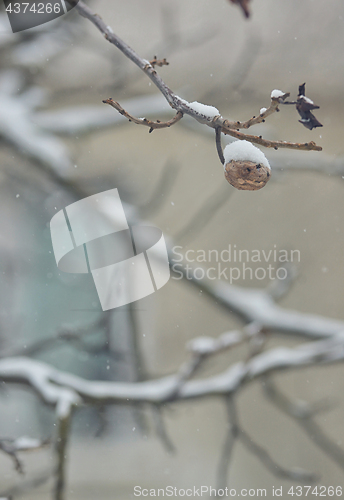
x=227 y=129
x=54 y=386
x=144 y=121
x=303 y=414
x=263 y=114
x=64 y=411
x=180 y=105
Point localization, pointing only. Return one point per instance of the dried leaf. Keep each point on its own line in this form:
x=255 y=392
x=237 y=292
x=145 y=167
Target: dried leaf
x=304 y=106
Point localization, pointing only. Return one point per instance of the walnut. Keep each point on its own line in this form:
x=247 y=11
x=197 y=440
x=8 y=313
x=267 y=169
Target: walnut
x=247 y=175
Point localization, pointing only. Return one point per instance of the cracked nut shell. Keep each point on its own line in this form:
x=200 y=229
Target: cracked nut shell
x=246 y=175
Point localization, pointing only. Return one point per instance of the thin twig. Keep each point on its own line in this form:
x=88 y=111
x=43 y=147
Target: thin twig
x=261 y=117
x=237 y=432
x=228 y=446
x=22 y=444
x=161 y=431
x=227 y=129
x=266 y=459
x=6 y=448
x=218 y=145
x=144 y=121
x=303 y=414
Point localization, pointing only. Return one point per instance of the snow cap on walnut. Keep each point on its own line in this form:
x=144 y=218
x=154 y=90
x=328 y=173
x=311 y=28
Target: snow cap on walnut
x=246 y=167
x=245 y=151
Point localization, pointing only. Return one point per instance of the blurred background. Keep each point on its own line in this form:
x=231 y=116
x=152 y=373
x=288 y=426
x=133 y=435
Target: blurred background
x=56 y=134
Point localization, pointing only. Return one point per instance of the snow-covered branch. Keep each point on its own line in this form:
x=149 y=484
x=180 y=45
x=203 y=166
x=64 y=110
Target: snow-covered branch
x=17 y=128
x=256 y=305
x=64 y=390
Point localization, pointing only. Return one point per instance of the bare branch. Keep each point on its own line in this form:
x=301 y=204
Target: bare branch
x=86 y=119
x=226 y=129
x=144 y=121
x=261 y=117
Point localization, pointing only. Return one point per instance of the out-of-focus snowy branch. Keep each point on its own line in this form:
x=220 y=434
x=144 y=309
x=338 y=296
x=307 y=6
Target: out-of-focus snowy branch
x=258 y=306
x=17 y=128
x=13 y=446
x=64 y=390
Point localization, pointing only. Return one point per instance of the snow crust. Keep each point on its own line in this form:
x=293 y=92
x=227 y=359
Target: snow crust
x=307 y=99
x=203 y=109
x=26 y=443
x=277 y=93
x=262 y=110
x=244 y=151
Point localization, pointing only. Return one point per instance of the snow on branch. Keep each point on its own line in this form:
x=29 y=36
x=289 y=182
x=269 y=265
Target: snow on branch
x=258 y=306
x=17 y=128
x=64 y=390
x=207 y=115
